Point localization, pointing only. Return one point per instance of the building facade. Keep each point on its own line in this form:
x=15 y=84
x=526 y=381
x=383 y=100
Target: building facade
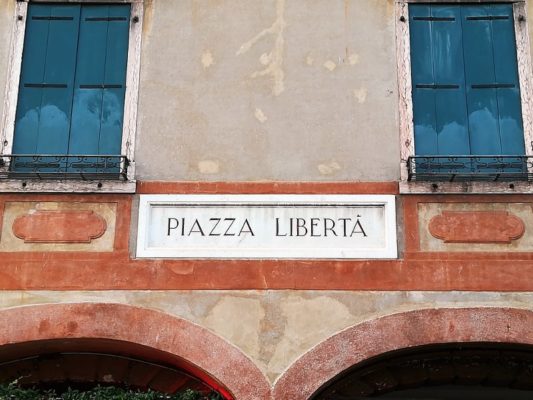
x=273 y=199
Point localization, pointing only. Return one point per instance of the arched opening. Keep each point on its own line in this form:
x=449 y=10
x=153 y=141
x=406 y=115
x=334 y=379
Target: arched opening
x=84 y=363
x=131 y=335
x=504 y=330
x=475 y=371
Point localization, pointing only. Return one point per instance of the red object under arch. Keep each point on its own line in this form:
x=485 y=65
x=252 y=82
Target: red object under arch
x=135 y=331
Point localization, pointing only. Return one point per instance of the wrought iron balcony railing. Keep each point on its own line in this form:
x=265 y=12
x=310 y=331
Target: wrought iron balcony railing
x=470 y=168
x=54 y=166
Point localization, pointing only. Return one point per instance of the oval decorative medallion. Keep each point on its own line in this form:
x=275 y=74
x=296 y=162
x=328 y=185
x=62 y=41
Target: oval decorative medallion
x=476 y=227
x=59 y=226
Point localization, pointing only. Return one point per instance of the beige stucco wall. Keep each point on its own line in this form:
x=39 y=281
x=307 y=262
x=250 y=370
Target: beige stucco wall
x=274 y=328
x=264 y=89
x=268 y=90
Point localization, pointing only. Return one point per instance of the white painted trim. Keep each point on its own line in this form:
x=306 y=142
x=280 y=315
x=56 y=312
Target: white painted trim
x=62 y=186
x=131 y=101
x=216 y=249
x=465 y=187
x=129 y=127
x=13 y=77
x=443 y=1
x=524 y=73
x=407 y=142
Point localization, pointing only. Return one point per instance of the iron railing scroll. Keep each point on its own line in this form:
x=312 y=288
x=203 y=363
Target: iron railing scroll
x=62 y=166
x=488 y=168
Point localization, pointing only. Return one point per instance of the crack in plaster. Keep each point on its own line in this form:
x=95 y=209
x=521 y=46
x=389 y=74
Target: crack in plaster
x=274 y=59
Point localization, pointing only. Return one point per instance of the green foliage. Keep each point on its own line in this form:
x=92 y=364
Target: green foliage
x=14 y=392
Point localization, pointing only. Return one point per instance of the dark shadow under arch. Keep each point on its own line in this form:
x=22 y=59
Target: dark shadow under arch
x=322 y=364
x=137 y=333
x=439 y=372
x=85 y=363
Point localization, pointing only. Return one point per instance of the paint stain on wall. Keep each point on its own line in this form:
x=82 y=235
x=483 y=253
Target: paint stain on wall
x=207 y=59
x=360 y=94
x=309 y=321
x=148 y=17
x=208 y=167
x=259 y=115
x=309 y=60
x=245 y=333
x=273 y=61
x=330 y=65
x=353 y=59
x=265 y=58
x=329 y=168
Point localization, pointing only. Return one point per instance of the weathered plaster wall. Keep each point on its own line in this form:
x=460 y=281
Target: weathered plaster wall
x=268 y=90
x=529 y=10
x=274 y=328
x=241 y=90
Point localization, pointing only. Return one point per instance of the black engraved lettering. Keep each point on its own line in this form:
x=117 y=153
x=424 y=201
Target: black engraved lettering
x=300 y=225
x=197 y=230
x=329 y=228
x=171 y=226
x=358 y=228
x=344 y=225
x=229 y=227
x=214 y=227
x=314 y=224
x=277 y=228
x=249 y=230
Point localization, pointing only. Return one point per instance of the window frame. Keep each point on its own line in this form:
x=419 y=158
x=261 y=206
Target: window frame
x=129 y=127
x=407 y=145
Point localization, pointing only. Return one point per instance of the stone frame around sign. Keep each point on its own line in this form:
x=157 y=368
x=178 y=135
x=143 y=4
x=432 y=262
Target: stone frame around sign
x=387 y=251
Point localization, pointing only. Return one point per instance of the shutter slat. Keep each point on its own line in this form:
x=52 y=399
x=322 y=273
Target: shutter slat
x=29 y=99
x=100 y=80
x=493 y=95
x=424 y=118
x=450 y=105
x=479 y=68
x=480 y=76
x=115 y=73
x=87 y=109
x=506 y=70
x=440 y=115
x=45 y=96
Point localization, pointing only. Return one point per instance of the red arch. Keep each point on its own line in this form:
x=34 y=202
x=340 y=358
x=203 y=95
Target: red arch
x=415 y=328
x=213 y=359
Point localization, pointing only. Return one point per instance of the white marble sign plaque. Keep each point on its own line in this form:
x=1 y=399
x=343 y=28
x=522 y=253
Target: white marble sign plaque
x=267 y=226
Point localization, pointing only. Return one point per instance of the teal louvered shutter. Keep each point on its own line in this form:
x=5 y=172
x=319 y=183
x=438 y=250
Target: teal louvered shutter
x=73 y=82
x=493 y=92
x=100 y=85
x=47 y=80
x=466 y=97
x=440 y=114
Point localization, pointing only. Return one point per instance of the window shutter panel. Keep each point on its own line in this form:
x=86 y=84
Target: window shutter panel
x=98 y=109
x=440 y=115
x=47 y=78
x=506 y=70
x=422 y=73
x=493 y=94
x=115 y=76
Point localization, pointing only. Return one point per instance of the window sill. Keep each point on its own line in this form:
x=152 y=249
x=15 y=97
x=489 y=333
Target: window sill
x=519 y=187
x=66 y=186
